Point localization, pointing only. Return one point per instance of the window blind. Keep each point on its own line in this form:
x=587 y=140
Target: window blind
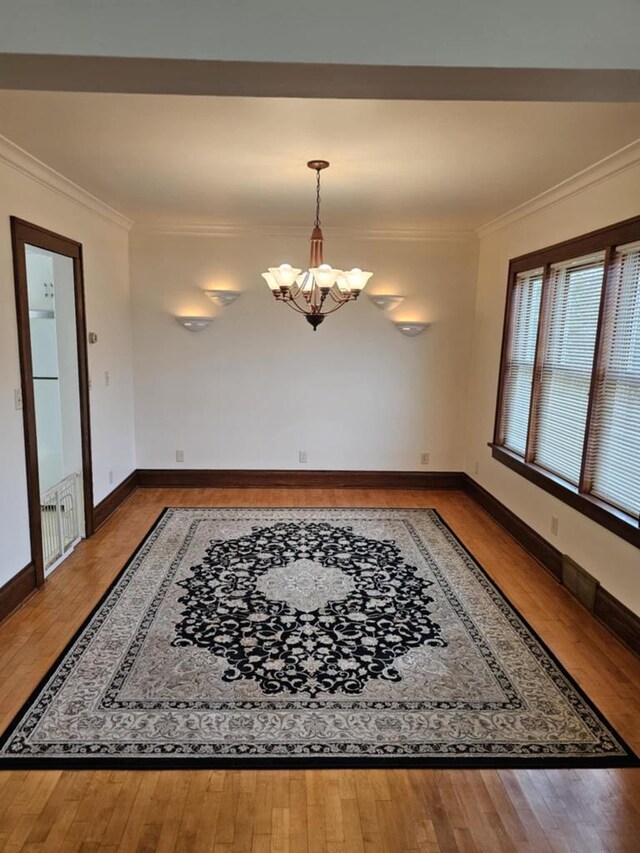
x=566 y=366
x=520 y=357
x=613 y=468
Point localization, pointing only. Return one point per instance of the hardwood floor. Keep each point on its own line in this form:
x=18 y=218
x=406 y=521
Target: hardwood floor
x=321 y=811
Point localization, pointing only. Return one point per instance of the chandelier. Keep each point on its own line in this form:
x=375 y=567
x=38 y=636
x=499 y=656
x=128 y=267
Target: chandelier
x=321 y=289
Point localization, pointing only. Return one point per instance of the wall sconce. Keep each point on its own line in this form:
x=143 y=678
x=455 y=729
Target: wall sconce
x=386 y=302
x=195 y=324
x=411 y=329
x=223 y=297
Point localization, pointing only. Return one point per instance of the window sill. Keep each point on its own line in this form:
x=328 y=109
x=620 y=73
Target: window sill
x=614 y=520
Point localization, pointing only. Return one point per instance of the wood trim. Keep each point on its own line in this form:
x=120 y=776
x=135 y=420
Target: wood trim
x=623 y=623
x=226 y=478
x=614 y=520
x=16 y=590
x=507 y=330
x=108 y=505
x=83 y=381
x=585 y=481
x=28 y=401
x=626 y=231
x=538 y=364
x=543 y=551
x=23 y=233
x=614 y=615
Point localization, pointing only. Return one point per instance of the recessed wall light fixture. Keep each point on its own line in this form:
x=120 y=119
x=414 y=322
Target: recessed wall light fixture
x=386 y=302
x=223 y=297
x=195 y=324
x=411 y=329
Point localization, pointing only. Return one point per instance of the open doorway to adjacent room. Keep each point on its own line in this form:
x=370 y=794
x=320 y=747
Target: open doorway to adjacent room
x=55 y=393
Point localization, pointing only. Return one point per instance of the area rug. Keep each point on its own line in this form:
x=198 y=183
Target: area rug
x=307 y=637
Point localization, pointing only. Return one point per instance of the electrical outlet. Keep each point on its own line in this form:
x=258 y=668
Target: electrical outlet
x=179 y=455
x=110 y=477
x=302 y=456
x=554 y=525
x=107 y=378
x=17 y=398
x=424 y=458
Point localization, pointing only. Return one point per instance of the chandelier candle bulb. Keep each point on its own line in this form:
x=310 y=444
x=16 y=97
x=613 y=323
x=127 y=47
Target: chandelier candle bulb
x=321 y=289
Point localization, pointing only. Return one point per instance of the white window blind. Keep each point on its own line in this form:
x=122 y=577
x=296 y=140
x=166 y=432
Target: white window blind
x=520 y=357
x=567 y=362
x=614 y=464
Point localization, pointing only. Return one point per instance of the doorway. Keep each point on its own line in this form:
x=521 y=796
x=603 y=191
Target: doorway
x=55 y=391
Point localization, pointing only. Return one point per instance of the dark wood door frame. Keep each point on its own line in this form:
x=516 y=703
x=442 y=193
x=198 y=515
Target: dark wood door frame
x=23 y=234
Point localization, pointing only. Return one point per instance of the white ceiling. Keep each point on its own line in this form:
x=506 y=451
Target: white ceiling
x=241 y=161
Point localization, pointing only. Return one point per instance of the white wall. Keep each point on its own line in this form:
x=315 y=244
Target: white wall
x=106 y=263
x=259 y=385
x=502 y=33
x=613 y=561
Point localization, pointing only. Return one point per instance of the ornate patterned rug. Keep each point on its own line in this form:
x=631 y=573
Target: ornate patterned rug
x=307 y=637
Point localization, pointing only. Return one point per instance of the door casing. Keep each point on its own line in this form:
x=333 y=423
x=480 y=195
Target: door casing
x=23 y=234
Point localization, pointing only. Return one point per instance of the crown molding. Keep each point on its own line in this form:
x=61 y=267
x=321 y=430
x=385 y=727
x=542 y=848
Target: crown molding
x=205 y=229
x=20 y=160
x=614 y=164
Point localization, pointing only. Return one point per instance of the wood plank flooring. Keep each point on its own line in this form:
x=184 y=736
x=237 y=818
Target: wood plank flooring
x=321 y=811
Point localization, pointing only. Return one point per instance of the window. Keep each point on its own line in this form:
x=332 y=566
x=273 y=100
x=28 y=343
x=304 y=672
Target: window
x=520 y=359
x=568 y=414
x=566 y=356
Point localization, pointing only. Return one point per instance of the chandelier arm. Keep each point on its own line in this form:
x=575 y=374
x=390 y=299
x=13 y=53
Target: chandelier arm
x=337 y=307
x=340 y=298
x=291 y=302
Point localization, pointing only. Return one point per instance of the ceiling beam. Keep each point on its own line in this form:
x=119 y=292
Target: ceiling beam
x=308 y=80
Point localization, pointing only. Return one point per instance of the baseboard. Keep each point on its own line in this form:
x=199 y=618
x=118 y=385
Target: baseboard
x=17 y=590
x=623 y=623
x=107 y=506
x=524 y=535
x=180 y=478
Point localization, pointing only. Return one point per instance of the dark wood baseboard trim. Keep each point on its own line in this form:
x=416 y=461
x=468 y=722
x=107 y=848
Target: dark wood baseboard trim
x=623 y=623
x=526 y=536
x=107 y=506
x=16 y=591
x=177 y=478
